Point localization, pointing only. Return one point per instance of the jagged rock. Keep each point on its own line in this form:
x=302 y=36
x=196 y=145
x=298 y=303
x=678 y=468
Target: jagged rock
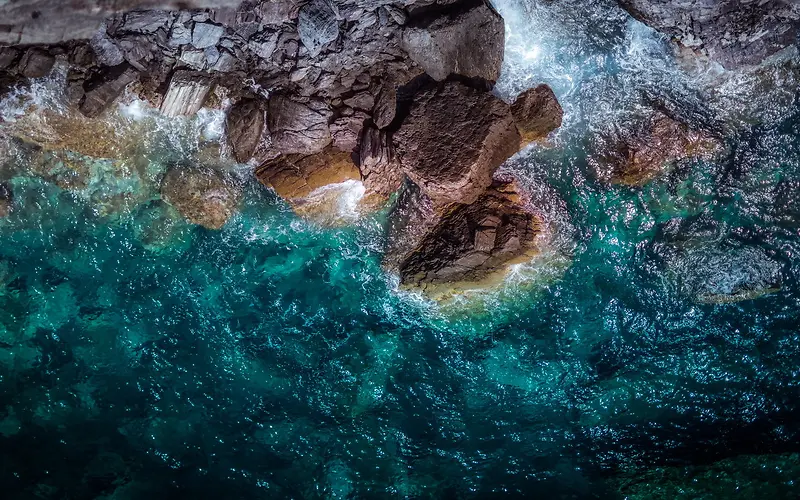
x=346 y=129
x=385 y=106
x=645 y=147
x=732 y=32
x=48 y=22
x=380 y=169
x=186 y=94
x=8 y=55
x=36 y=63
x=317 y=25
x=245 y=125
x=6 y=199
x=101 y=93
x=105 y=50
x=298 y=128
x=536 y=113
x=295 y=176
x=202 y=195
x=206 y=35
x=463 y=246
x=469 y=44
x=453 y=140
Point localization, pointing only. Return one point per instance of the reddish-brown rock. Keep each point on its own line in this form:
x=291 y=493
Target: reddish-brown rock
x=536 y=113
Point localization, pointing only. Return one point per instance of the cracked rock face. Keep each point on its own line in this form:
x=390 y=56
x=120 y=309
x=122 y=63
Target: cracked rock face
x=453 y=140
x=465 y=245
x=734 y=33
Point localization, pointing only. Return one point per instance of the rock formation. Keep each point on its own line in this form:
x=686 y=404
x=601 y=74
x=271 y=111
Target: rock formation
x=453 y=140
x=536 y=113
x=295 y=176
x=646 y=146
x=462 y=246
x=734 y=33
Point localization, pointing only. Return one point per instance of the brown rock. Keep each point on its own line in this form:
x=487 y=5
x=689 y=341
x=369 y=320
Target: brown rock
x=465 y=245
x=453 y=140
x=469 y=44
x=245 y=124
x=346 y=129
x=647 y=147
x=202 y=195
x=298 y=128
x=294 y=176
x=385 y=106
x=536 y=113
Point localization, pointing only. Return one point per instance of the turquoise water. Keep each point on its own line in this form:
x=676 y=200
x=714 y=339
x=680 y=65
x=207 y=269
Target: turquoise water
x=142 y=357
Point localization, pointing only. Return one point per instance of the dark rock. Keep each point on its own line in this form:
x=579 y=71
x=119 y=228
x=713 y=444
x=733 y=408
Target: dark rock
x=385 y=106
x=469 y=44
x=298 y=128
x=245 y=125
x=645 y=147
x=536 y=113
x=295 y=176
x=453 y=140
x=6 y=199
x=36 y=63
x=202 y=195
x=8 y=56
x=465 y=245
x=101 y=92
x=732 y=32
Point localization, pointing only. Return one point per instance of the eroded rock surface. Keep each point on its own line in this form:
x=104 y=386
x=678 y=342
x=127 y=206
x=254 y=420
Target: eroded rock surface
x=201 y=194
x=465 y=245
x=453 y=140
x=295 y=176
x=732 y=32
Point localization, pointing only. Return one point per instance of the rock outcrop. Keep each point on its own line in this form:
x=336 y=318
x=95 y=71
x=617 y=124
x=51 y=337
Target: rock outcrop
x=734 y=33
x=463 y=246
x=294 y=177
x=453 y=140
x=644 y=147
x=202 y=195
x=245 y=124
x=536 y=113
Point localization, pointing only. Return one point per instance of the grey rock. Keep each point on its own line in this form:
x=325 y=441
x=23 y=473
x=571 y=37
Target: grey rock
x=100 y=95
x=317 y=26
x=205 y=35
x=36 y=63
x=186 y=94
x=105 y=50
x=245 y=125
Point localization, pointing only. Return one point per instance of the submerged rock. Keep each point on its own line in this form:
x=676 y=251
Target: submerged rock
x=6 y=199
x=732 y=32
x=643 y=148
x=464 y=246
x=469 y=43
x=203 y=195
x=536 y=113
x=453 y=140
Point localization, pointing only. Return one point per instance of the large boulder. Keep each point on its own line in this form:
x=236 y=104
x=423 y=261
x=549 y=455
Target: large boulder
x=453 y=140
x=469 y=43
x=464 y=246
x=536 y=113
x=202 y=195
x=297 y=127
x=732 y=32
x=646 y=146
x=245 y=125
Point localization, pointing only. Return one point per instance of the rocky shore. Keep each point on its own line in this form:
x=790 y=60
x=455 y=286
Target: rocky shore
x=395 y=94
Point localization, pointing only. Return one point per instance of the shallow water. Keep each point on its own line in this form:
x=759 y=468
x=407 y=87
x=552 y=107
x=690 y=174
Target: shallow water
x=142 y=356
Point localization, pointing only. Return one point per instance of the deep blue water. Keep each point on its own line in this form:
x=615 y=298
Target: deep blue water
x=142 y=357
